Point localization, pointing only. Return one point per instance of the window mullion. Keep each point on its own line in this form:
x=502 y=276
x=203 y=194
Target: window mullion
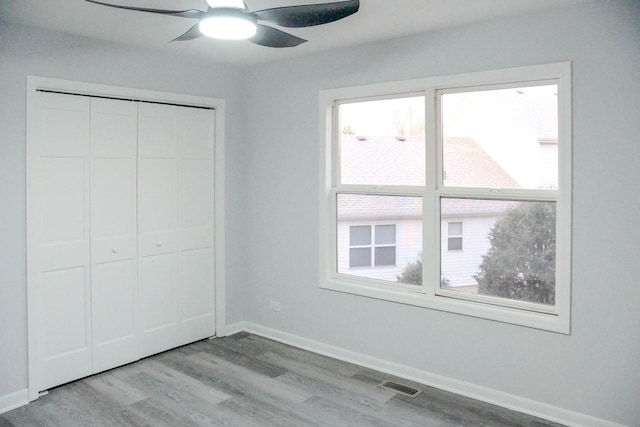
x=430 y=213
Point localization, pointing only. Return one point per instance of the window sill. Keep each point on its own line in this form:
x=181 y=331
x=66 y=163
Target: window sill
x=544 y=321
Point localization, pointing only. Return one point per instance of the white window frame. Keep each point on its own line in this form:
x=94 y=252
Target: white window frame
x=429 y=295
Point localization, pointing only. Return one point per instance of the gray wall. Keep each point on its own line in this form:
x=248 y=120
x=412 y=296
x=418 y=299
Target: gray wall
x=595 y=370
x=28 y=51
x=272 y=201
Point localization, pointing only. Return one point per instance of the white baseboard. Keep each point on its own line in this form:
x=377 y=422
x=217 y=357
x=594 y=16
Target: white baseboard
x=14 y=400
x=233 y=328
x=485 y=394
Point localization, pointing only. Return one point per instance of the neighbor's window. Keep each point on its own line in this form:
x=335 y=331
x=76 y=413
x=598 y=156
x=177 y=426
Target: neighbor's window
x=372 y=245
x=454 y=196
x=454 y=241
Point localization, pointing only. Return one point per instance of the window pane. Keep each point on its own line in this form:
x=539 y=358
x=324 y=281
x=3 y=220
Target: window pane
x=397 y=221
x=360 y=257
x=385 y=255
x=455 y=229
x=385 y=234
x=510 y=250
x=505 y=138
x=455 y=244
x=360 y=235
x=382 y=142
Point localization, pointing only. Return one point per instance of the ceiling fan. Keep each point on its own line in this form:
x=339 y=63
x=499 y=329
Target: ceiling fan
x=232 y=20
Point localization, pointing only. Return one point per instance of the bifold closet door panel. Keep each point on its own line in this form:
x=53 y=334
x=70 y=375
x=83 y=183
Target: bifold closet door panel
x=158 y=132
x=58 y=239
x=175 y=150
x=196 y=223
x=114 y=135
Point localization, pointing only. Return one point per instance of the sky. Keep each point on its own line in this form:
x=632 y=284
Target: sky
x=376 y=118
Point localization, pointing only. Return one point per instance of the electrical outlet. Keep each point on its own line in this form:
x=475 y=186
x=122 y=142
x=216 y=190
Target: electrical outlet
x=274 y=305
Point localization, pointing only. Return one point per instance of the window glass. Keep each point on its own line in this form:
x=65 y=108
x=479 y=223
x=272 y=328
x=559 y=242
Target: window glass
x=359 y=257
x=455 y=229
x=503 y=138
x=385 y=255
x=510 y=251
x=455 y=243
x=396 y=222
x=382 y=142
x=360 y=235
x=385 y=234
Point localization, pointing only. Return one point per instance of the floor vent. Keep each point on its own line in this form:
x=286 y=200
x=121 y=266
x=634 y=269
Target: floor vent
x=400 y=388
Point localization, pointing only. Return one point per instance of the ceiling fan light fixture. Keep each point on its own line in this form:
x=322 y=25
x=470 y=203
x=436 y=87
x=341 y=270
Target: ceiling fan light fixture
x=234 y=4
x=228 y=24
x=233 y=20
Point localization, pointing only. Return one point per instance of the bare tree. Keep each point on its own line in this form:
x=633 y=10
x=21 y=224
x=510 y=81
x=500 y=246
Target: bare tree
x=406 y=121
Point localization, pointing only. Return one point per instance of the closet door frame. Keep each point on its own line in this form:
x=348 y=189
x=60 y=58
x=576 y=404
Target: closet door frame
x=37 y=83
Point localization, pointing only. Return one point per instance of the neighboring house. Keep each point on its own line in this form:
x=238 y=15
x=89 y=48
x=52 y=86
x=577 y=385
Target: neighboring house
x=379 y=235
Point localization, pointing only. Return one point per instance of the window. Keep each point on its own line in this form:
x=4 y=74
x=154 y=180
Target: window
x=372 y=245
x=360 y=246
x=454 y=242
x=491 y=154
x=411 y=166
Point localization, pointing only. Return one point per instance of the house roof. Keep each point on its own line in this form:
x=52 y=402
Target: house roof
x=387 y=160
x=467 y=164
x=376 y=207
x=382 y=160
x=359 y=206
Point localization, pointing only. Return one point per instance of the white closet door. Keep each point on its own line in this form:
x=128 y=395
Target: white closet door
x=195 y=239
x=175 y=169
x=158 y=226
x=58 y=238
x=114 y=133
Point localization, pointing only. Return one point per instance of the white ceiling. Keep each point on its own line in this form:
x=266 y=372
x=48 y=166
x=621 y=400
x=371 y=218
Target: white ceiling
x=376 y=20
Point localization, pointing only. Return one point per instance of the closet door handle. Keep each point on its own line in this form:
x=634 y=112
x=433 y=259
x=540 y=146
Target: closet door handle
x=158 y=244
x=114 y=250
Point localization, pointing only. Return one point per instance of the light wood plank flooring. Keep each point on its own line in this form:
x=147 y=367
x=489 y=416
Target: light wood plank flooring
x=246 y=380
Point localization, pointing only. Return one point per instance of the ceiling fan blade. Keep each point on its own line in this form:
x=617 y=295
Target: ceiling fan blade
x=272 y=37
x=190 y=34
x=190 y=13
x=309 y=15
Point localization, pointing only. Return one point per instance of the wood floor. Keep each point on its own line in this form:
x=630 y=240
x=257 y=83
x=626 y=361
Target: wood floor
x=246 y=380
